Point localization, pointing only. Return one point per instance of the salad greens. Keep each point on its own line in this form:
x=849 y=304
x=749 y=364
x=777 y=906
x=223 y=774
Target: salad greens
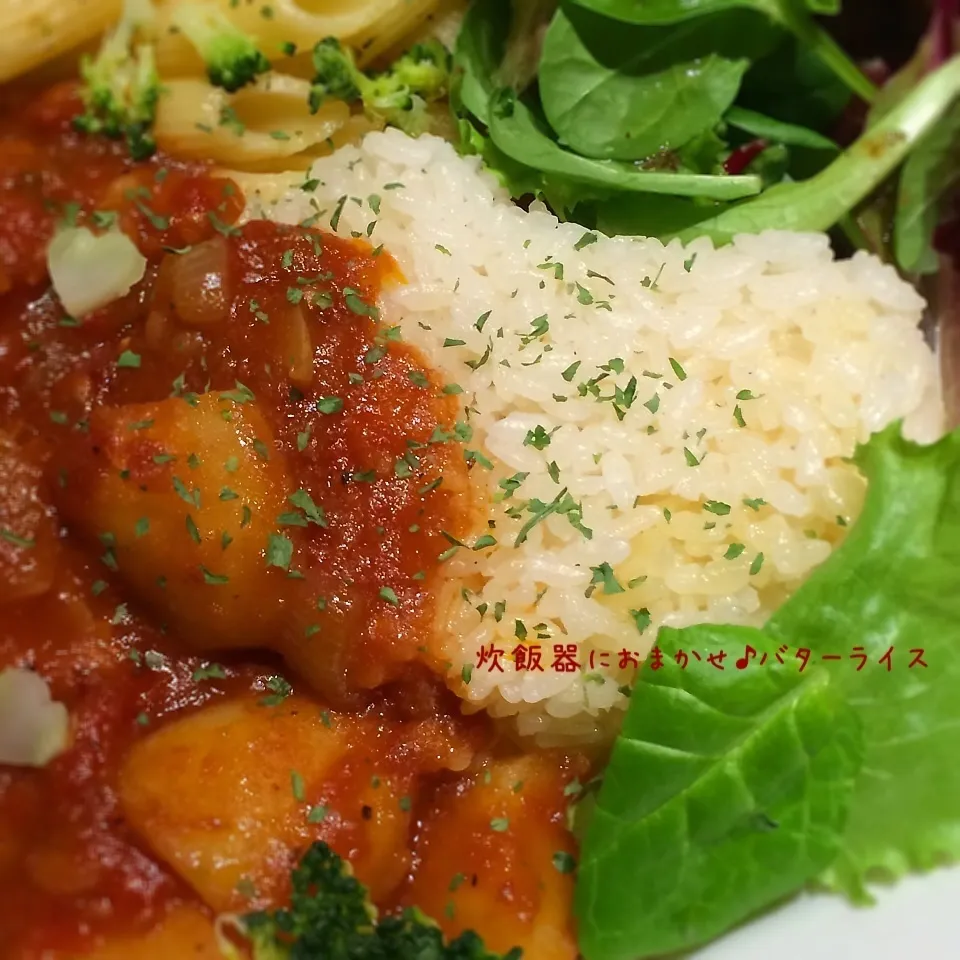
x=894 y=583
x=819 y=202
x=930 y=173
x=748 y=778
x=793 y=15
x=689 y=117
x=515 y=131
x=769 y=128
x=641 y=92
x=757 y=781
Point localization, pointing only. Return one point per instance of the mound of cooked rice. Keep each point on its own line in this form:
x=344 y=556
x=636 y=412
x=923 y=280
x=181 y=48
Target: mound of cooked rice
x=662 y=430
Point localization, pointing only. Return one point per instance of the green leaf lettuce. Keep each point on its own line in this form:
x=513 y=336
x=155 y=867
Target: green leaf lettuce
x=675 y=849
x=725 y=791
x=895 y=582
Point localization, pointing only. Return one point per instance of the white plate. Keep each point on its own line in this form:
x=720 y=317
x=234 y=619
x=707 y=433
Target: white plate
x=918 y=918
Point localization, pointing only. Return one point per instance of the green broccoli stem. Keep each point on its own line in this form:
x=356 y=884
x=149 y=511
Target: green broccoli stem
x=397 y=96
x=230 y=56
x=120 y=89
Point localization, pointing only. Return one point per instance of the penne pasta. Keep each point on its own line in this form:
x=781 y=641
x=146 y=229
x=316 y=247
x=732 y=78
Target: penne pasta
x=266 y=124
x=395 y=22
x=368 y=26
x=442 y=23
x=35 y=31
x=264 y=183
x=261 y=190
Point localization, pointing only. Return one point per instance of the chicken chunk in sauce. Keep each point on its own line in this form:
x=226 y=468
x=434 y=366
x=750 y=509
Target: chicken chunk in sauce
x=226 y=500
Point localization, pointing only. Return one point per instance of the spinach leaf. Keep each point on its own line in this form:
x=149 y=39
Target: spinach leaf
x=656 y=214
x=517 y=179
x=793 y=85
x=725 y=791
x=675 y=11
x=894 y=584
x=648 y=215
x=929 y=175
x=793 y=15
x=627 y=93
x=521 y=53
x=821 y=201
x=516 y=131
x=791 y=134
x=478 y=52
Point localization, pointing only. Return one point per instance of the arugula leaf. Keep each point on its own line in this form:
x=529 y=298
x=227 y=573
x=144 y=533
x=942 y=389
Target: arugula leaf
x=726 y=790
x=516 y=131
x=626 y=94
x=770 y=128
x=816 y=204
x=894 y=582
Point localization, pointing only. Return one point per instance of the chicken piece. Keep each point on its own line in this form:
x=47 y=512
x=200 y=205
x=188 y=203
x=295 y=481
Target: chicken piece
x=183 y=496
x=232 y=795
x=494 y=855
x=186 y=932
x=28 y=534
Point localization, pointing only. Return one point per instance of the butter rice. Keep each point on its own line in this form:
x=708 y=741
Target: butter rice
x=695 y=404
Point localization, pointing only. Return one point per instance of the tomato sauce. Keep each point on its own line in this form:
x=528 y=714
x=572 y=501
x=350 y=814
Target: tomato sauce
x=355 y=420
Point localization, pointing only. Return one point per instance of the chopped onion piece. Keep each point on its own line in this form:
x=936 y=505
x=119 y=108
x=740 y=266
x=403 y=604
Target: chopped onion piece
x=200 y=279
x=34 y=728
x=298 y=354
x=90 y=271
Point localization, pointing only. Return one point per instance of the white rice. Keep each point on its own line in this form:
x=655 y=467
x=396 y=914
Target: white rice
x=830 y=350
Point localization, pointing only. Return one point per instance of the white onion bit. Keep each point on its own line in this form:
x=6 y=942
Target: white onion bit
x=34 y=727
x=90 y=271
x=201 y=289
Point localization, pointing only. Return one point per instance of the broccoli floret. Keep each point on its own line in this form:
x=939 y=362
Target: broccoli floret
x=231 y=57
x=424 y=69
x=329 y=913
x=412 y=936
x=330 y=916
x=120 y=90
x=337 y=75
x=398 y=96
